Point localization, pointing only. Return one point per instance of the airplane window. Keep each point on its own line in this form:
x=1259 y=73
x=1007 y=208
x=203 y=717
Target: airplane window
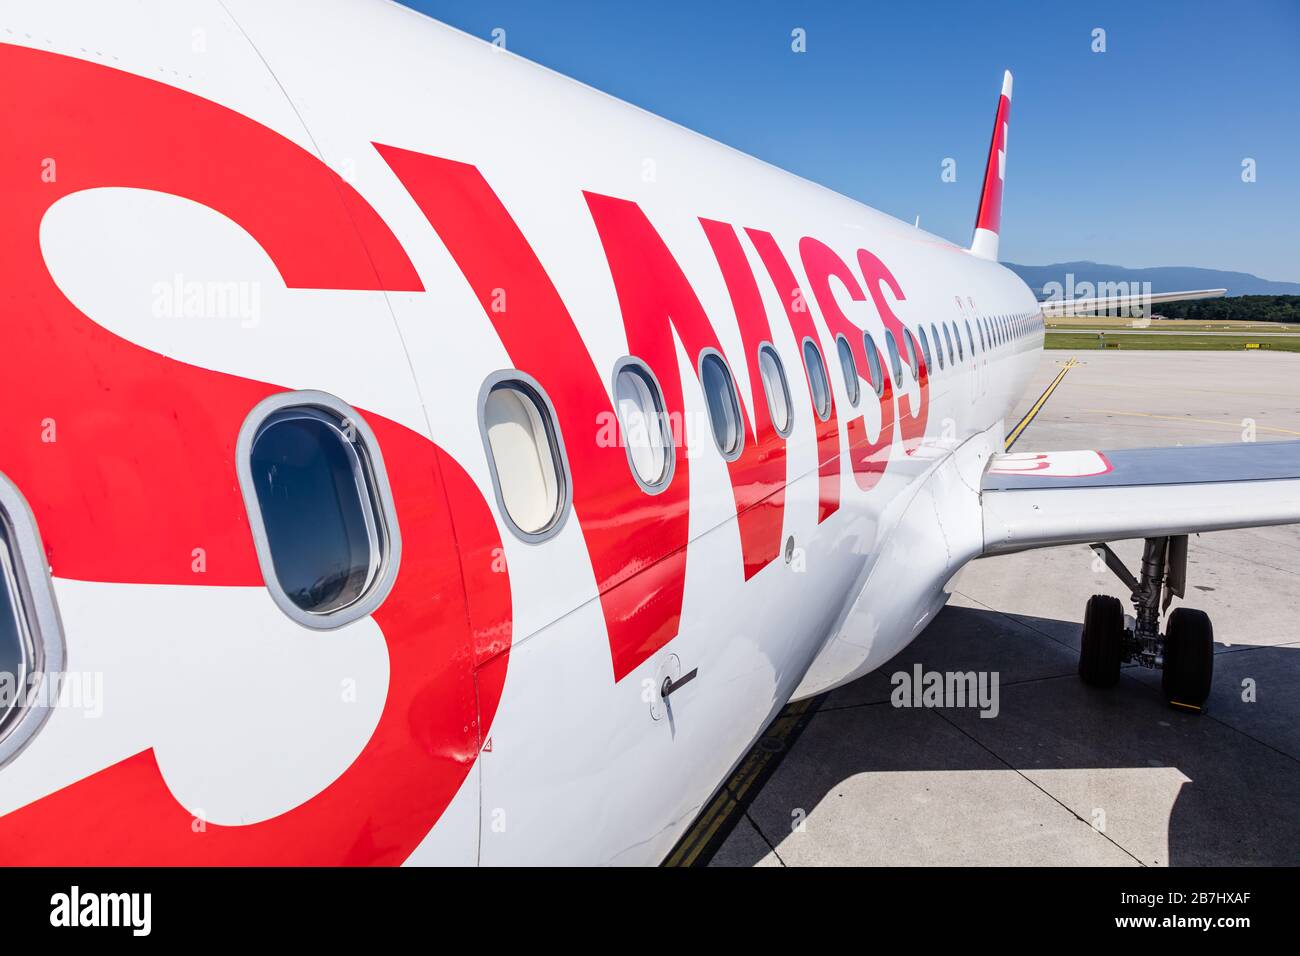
x=979 y=329
x=776 y=388
x=526 y=455
x=15 y=642
x=895 y=364
x=646 y=434
x=970 y=339
x=31 y=639
x=724 y=409
x=956 y=334
x=873 y=363
x=938 y=346
x=319 y=506
x=947 y=337
x=821 y=389
x=849 y=368
x=925 y=348
x=911 y=353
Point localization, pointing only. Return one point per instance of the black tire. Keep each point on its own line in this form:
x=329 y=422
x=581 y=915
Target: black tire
x=1102 y=649
x=1189 y=659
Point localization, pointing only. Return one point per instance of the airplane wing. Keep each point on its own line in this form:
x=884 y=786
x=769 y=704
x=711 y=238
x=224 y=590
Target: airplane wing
x=1040 y=500
x=1115 y=304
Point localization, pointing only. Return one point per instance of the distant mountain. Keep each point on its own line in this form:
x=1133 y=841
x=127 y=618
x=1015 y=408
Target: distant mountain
x=1162 y=279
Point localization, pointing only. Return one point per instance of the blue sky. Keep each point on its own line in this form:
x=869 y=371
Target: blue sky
x=1132 y=156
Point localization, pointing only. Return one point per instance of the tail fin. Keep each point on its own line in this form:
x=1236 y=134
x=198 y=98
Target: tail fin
x=989 y=222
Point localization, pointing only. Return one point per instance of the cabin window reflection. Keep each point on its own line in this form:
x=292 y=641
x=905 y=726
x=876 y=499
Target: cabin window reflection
x=645 y=429
x=31 y=637
x=323 y=523
x=895 y=363
x=724 y=407
x=925 y=348
x=873 y=363
x=821 y=389
x=527 y=463
x=849 y=369
x=776 y=388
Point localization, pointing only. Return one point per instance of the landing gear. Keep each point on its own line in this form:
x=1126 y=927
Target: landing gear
x=1186 y=650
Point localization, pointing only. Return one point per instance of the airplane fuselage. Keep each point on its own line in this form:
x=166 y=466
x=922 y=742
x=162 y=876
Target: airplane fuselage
x=360 y=202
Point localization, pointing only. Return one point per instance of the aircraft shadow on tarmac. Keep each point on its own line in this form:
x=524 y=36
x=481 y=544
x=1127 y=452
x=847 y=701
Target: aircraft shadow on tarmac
x=876 y=783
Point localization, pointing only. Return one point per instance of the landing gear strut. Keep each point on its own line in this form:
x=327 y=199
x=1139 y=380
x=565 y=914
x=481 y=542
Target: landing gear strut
x=1185 y=651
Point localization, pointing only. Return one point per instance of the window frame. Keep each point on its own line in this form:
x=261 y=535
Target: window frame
x=821 y=360
x=874 y=365
x=895 y=358
x=849 y=373
x=909 y=347
x=938 y=345
x=513 y=376
x=45 y=652
x=925 y=349
x=390 y=558
x=766 y=346
x=735 y=403
x=638 y=366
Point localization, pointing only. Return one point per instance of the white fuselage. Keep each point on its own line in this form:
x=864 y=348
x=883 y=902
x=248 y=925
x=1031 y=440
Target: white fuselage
x=580 y=760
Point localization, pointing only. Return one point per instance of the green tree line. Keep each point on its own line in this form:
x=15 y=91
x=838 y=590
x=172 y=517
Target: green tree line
x=1237 y=308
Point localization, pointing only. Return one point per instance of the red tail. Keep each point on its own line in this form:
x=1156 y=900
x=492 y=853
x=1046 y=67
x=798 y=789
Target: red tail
x=989 y=222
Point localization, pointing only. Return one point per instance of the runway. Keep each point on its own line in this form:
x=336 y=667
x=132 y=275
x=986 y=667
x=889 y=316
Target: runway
x=1066 y=774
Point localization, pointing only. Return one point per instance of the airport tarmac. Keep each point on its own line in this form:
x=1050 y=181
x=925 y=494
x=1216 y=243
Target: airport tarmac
x=1066 y=774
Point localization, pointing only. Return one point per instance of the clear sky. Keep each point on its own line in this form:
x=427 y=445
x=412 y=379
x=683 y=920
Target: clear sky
x=1131 y=156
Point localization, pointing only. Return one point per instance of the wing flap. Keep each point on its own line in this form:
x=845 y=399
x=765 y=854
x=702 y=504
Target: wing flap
x=1041 y=500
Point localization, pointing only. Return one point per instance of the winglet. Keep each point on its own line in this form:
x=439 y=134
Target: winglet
x=989 y=221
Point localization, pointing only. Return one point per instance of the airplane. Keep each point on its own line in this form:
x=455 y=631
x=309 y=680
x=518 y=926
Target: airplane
x=414 y=456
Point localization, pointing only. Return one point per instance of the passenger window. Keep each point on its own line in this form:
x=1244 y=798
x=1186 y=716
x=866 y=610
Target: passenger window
x=821 y=390
x=776 y=388
x=938 y=345
x=526 y=455
x=15 y=641
x=895 y=364
x=873 y=363
x=970 y=339
x=911 y=352
x=925 y=348
x=646 y=435
x=979 y=329
x=849 y=368
x=956 y=333
x=31 y=638
x=319 y=506
x=724 y=409
x=947 y=338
